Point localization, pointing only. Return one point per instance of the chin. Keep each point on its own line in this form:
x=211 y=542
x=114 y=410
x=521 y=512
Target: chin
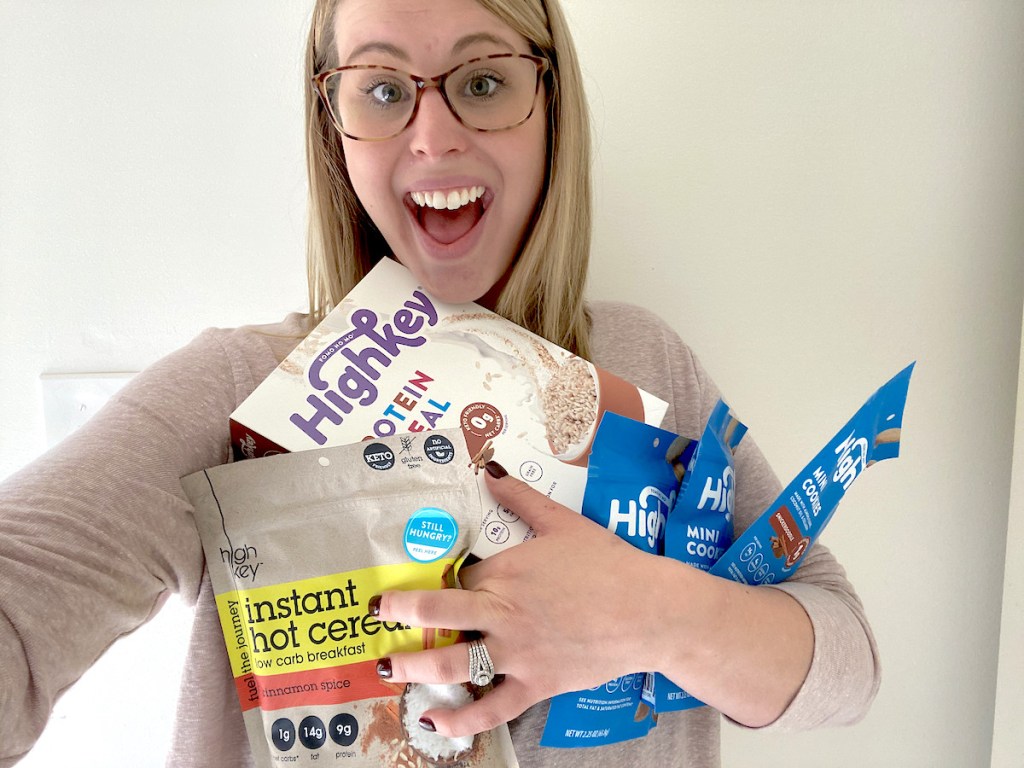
x=453 y=293
x=455 y=286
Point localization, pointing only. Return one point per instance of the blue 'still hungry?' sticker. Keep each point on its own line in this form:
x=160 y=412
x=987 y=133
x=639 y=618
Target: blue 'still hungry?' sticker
x=430 y=534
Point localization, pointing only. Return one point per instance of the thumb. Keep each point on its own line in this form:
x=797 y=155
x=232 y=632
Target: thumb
x=536 y=509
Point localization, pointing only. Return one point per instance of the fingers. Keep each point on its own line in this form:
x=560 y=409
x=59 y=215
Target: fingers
x=440 y=665
x=504 y=702
x=540 y=512
x=441 y=608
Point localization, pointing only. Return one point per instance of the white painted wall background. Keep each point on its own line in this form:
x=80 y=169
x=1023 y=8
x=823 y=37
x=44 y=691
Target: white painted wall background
x=812 y=194
x=1008 y=737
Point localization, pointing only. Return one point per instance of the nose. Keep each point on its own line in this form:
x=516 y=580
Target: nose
x=435 y=131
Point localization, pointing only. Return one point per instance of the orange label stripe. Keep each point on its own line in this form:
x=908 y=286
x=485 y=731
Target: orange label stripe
x=312 y=687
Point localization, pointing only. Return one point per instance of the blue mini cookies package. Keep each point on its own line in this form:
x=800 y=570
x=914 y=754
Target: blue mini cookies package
x=632 y=482
x=770 y=550
x=699 y=527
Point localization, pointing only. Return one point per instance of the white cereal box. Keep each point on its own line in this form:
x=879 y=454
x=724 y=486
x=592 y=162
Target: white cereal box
x=389 y=359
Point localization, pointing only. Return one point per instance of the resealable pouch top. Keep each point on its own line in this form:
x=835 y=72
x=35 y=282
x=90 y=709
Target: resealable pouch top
x=296 y=545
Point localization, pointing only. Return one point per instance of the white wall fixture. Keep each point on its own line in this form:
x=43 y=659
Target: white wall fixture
x=70 y=399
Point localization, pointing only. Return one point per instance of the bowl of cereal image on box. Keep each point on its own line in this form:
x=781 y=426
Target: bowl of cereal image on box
x=575 y=397
x=433 y=749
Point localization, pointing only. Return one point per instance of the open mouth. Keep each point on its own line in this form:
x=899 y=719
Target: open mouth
x=447 y=215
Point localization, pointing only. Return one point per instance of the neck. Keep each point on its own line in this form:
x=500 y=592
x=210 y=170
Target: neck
x=490 y=299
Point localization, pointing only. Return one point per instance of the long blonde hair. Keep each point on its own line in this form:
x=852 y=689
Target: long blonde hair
x=545 y=290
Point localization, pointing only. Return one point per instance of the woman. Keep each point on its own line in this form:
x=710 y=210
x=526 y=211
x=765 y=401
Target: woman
x=98 y=532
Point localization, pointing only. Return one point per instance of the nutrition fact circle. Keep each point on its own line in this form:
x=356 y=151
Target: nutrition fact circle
x=312 y=733
x=497 y=533
x=506 y=514
x=482 y=420
x=282 y=733
x=344 y=729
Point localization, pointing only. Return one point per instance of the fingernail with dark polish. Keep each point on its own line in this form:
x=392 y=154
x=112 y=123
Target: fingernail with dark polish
x=495 y=470
x=427 y=724
x=384 y=668
x=373 y=607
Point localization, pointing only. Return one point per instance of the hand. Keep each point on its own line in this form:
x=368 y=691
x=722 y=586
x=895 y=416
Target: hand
x=561 y=612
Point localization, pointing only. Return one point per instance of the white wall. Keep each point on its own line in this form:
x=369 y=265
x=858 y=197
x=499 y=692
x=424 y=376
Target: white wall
x=1007 y=736
x=813 y=194
x=151 y=184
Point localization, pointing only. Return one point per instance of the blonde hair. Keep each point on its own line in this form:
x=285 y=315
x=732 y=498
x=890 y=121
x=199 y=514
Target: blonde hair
x=544 y=292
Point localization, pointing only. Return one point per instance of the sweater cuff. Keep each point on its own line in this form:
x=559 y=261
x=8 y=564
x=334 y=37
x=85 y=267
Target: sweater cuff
x=844 y=674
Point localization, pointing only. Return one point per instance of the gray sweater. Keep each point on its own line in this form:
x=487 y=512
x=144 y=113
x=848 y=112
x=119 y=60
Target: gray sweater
x=97 y=532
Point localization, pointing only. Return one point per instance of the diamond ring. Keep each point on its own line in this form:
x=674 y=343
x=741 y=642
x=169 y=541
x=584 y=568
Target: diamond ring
x=481 y=668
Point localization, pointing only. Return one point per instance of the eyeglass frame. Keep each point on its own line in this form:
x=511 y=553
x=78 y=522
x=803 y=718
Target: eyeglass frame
x=319 y=82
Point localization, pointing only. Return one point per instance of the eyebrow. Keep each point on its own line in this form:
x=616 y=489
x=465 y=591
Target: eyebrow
x=388 y=48
x=480 y=37
x=460 y=45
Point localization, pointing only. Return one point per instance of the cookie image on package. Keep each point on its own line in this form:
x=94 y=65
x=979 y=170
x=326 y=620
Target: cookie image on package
x=790 y=542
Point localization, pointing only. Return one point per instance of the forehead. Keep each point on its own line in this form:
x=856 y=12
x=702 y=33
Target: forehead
x=426 y=32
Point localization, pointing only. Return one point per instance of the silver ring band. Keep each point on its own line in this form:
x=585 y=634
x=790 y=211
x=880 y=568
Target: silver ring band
x=481 y=668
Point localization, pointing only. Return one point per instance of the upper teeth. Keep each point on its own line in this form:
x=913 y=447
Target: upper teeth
x=456 y=198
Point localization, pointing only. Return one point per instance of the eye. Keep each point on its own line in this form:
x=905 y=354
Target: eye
x=482 y=85
x=387 y=92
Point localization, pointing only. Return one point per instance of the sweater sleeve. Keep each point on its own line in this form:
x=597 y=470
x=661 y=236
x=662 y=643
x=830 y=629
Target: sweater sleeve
x=96 y=532
x=844 y=675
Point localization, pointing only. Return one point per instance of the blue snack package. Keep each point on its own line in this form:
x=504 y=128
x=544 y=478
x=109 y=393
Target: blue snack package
x=699 y=527
x=632 y=482
x=631 y=486
x=770 y=550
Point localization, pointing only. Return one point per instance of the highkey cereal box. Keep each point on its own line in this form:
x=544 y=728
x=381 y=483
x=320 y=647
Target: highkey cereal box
x=390 y=359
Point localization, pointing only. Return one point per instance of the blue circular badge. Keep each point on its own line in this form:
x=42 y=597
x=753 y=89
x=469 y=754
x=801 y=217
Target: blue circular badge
x=430 y=534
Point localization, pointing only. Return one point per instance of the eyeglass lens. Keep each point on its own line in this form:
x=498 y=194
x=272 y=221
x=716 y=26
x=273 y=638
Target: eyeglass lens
x=488 y=94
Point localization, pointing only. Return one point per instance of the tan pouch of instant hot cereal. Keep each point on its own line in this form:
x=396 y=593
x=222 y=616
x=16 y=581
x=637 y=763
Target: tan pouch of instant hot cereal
x=296 y=546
